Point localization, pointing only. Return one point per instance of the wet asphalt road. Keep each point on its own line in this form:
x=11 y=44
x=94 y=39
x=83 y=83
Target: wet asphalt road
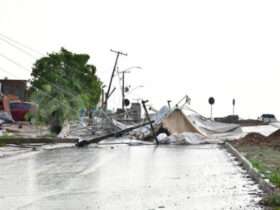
x=126 y=177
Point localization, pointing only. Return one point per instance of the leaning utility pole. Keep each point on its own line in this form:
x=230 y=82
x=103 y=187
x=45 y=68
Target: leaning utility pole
x=112 y=76
x=150 y=122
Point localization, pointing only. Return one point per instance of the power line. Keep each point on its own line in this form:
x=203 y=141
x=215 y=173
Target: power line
x=25 y=52
x=26 y=69
x=14 y=62
x=14 y=44
x=7 y=72
x=24 y=46
x=21 y=44
x=43 y=92
x=18 y=48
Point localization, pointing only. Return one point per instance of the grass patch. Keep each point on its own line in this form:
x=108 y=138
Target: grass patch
x=258 y=165
x=275 y=178
x=6 y=136
x=272 y=175
x=272 y=200
x=2 y=144
x=2 y=139
x=265 y=159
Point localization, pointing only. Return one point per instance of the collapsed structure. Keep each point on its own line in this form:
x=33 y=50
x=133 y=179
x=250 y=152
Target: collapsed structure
x=172 y=126
x=185 y=126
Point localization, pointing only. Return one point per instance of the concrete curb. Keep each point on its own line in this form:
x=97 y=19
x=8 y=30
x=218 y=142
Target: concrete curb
x=264 y=184
x=21 y=140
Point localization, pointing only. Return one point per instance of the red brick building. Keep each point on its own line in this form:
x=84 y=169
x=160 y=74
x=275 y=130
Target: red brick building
x=14 y=87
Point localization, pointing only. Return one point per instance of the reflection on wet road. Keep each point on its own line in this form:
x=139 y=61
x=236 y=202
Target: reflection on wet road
x=126 y=177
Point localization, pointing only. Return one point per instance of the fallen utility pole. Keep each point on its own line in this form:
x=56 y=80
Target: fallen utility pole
x=115 y=134
x=107 y=96
x=150 y=122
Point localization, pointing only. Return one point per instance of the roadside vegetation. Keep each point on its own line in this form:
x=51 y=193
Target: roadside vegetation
x=5 y=136
x=266 y=159
x=62 y=85
x=3 y=139
x=272 y=200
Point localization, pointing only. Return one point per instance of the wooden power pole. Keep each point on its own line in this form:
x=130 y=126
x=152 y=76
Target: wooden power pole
x=108 y=93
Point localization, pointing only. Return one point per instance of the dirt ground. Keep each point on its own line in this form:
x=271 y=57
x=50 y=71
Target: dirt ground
x=23 y=129
x=256 y=139
x=263 y=152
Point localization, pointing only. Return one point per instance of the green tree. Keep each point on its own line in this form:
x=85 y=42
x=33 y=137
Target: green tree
x=62 y=84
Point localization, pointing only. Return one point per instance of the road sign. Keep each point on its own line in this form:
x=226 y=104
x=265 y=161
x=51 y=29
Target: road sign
x=126 y=102
x=211 y=100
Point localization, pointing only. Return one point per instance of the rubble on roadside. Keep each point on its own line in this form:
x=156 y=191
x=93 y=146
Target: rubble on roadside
x=25 y=130
x=273 y=140
x=182 y=128
x=177 y=126
x=186 y=138
x=264 y=130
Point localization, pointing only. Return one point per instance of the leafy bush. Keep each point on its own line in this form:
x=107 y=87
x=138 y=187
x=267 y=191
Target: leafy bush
x=275 y=178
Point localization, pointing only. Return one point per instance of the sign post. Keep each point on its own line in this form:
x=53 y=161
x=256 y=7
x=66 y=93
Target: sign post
x=233 y=106
x=211 y=101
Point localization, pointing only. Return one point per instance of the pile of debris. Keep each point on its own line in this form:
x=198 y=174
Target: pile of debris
x=24 y=130
x=258 y=139
x=176 y=127
x=188 y=138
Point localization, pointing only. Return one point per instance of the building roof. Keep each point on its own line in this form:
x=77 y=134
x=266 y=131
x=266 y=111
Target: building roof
x=12 y=80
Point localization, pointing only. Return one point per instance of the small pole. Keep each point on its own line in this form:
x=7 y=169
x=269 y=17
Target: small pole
x=233 y=106
x=123 y=90
x=211 y=112
x=151 y=123
x=169 y=105
x=211 y=101
x=102 y=96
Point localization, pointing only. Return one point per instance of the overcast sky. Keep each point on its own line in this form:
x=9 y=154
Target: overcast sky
x=225 y=49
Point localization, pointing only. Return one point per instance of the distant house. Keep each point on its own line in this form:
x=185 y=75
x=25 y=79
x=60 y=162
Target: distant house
x=14 y=87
